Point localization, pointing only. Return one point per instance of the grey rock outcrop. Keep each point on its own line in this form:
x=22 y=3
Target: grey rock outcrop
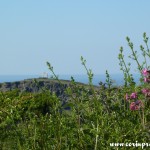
x=38 y=85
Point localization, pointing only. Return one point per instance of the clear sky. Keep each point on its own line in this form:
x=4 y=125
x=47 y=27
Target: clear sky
x=60 y=31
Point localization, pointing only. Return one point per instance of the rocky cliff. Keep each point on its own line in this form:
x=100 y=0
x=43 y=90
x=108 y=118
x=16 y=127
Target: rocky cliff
x=38 y=85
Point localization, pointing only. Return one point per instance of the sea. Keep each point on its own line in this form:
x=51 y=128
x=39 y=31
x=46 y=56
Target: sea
x=116 y=78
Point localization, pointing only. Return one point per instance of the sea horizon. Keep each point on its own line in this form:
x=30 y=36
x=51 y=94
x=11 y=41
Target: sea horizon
x=83 y=78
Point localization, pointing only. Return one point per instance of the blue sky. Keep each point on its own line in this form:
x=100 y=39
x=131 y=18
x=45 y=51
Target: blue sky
x=34 y=31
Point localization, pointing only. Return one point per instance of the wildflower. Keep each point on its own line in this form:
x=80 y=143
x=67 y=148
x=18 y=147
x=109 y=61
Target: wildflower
x=147 y=79
x=127 y=96
x=146 y=92
x=136 y=105
x=133 y=95
x=145 y=72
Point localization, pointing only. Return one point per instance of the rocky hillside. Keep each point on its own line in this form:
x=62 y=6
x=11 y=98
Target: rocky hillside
x=38 y=85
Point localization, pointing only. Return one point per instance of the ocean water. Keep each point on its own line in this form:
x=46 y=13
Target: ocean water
x=116 y=78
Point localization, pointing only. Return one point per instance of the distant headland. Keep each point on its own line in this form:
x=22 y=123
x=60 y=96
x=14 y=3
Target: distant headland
x=36 y=85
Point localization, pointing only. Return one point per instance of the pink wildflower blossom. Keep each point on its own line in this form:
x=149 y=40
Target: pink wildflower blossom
x=127 y=96
x=145 y=91
x=145 y=72
x=136 y=105
x=133 y=95
x=147 y=80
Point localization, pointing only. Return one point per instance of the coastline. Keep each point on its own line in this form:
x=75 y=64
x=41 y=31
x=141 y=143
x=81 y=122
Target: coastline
x=116 y=78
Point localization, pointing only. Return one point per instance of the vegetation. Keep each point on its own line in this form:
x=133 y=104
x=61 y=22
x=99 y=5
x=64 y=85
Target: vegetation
x=91 y=119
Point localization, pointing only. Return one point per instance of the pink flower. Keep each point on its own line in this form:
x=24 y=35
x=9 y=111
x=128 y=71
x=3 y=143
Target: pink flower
x=127 y=96
x=145 y=72
x=136 y=105
x=133 y=95
x=145 y=91
x=147 y=79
